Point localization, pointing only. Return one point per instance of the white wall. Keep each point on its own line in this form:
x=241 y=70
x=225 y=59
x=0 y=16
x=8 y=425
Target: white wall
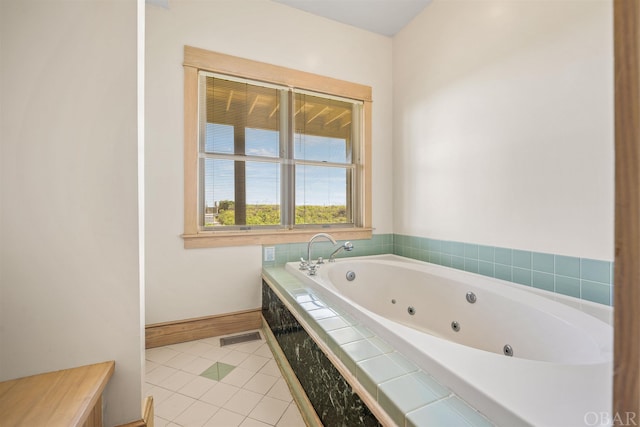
x=69 y=289
x=503 y=125
x=183 y=283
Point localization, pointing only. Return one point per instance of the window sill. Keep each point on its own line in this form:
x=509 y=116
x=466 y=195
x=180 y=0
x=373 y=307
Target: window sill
x=216 y=239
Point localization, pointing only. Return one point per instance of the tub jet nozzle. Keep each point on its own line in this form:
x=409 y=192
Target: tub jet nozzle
x=508 y=350
x=471 y=297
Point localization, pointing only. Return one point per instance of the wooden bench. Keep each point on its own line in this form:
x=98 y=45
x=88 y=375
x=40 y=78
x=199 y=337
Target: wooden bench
x=67 y=398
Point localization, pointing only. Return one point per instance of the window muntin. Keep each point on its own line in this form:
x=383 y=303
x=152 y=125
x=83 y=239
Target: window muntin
x=252 y=174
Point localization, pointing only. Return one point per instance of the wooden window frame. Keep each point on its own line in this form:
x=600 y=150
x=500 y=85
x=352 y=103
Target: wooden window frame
x=195 y=60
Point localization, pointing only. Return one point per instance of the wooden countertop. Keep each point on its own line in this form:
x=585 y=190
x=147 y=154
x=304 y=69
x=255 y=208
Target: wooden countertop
x=61 y=398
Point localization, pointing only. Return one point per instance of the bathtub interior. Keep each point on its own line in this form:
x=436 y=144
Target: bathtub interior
x=434 y=300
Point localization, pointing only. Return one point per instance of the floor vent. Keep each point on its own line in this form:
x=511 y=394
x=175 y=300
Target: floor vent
x=236 y=339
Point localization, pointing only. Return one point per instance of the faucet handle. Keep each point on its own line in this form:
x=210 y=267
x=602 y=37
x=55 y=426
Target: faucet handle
x=320 y=260
x=304 y=265
x=313 y=269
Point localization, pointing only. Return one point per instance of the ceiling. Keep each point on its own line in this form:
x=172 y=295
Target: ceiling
x=384 y=17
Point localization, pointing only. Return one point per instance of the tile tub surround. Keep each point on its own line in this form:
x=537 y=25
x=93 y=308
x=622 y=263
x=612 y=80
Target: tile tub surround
x=391 y=383
x=583 y=278
x=379 y=244
x=331 y=396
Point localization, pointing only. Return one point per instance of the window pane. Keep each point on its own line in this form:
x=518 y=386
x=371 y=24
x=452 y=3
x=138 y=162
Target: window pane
x=319 y=148
x=262 y=142
x=263 y=193
x=219 y=202
x=218 y=138
x=321 y=195
x=322 y=129
x=240 y=118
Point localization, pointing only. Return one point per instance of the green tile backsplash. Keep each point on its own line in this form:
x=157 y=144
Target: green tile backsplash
x=584 y=278
x=378 y=244
x=588 y=279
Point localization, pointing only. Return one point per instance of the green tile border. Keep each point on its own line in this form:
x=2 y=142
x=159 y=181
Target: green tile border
x=584 y=278
x=288 y=252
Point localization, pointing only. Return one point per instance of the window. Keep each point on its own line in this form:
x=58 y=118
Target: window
x=240 y=152
x=272 y=155
x=255 y=173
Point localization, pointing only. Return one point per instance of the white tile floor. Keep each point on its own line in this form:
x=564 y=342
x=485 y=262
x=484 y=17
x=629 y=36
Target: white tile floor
x=253 y=394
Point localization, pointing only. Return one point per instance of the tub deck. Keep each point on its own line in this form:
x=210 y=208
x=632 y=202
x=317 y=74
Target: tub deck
x=399 y=388
x=518 y=394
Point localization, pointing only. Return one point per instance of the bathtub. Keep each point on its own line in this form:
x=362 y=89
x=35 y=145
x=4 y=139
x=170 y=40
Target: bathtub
x=519 y=355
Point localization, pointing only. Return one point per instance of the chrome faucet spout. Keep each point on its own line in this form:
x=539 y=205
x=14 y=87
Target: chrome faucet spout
x=317 y=236
x=346 y=246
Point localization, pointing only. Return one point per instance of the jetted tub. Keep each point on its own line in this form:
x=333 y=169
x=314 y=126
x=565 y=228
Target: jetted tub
x=519 y=355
